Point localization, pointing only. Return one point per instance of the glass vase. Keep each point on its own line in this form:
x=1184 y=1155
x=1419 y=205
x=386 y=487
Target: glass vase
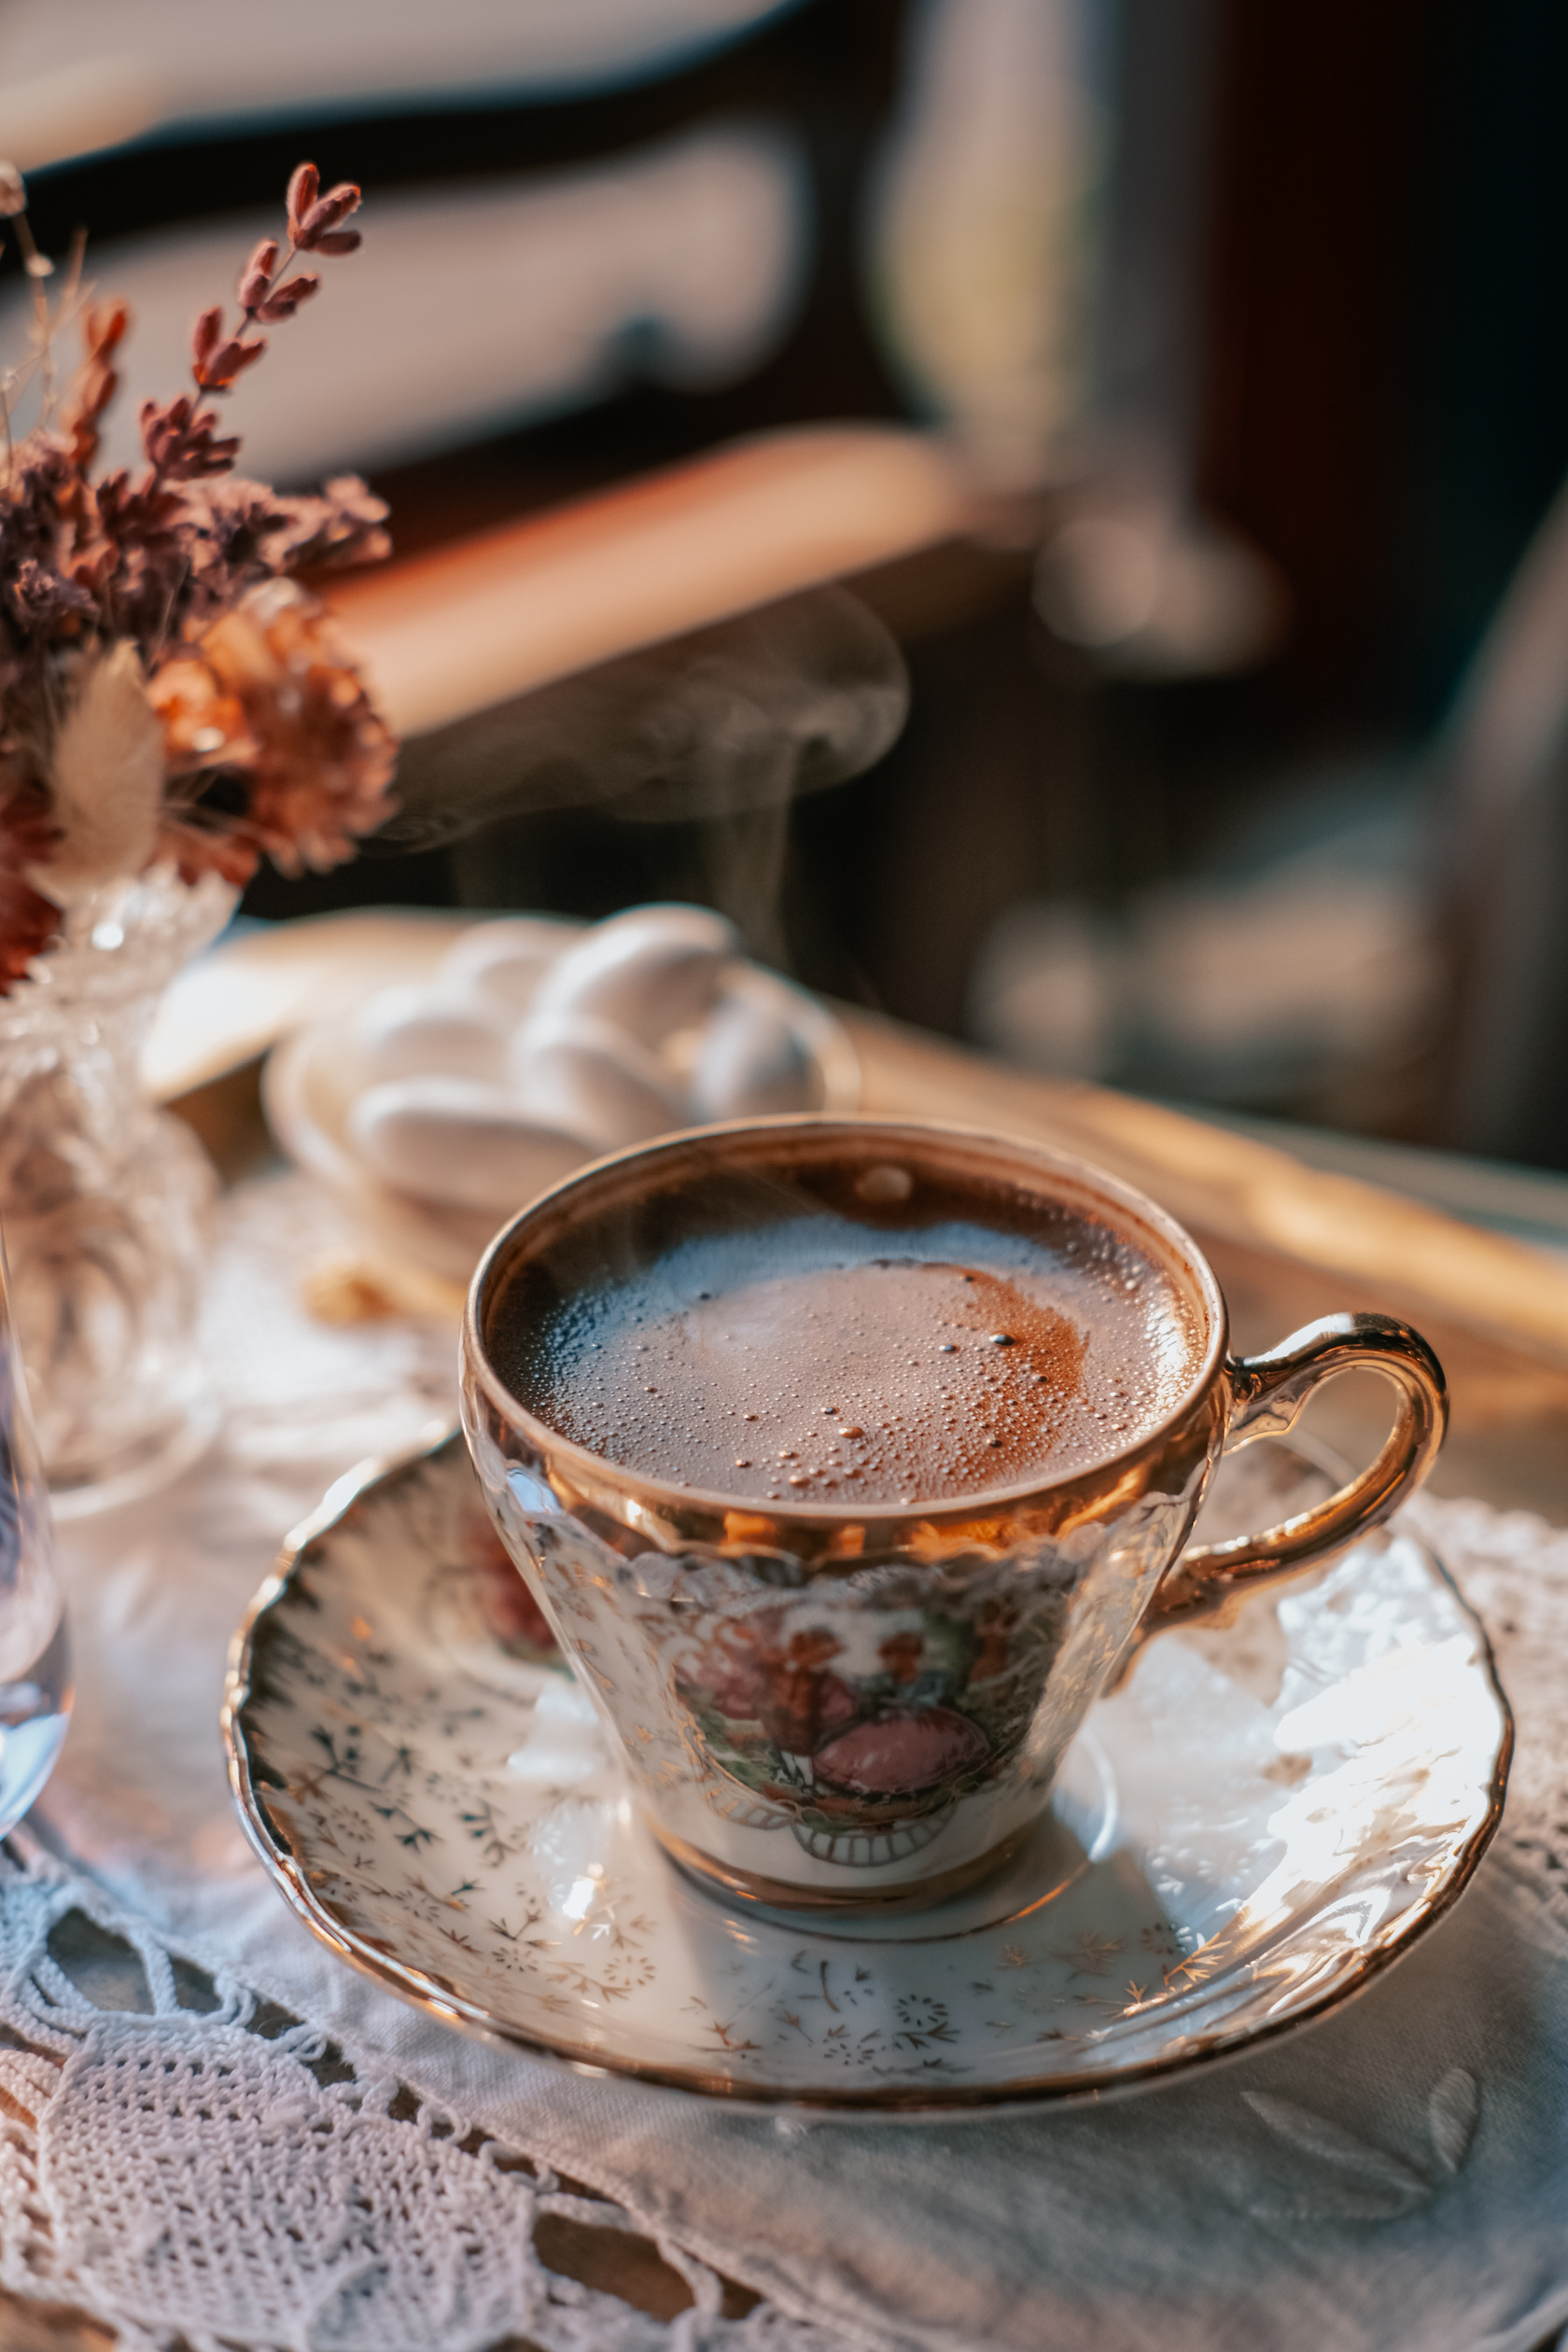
x=35 y=1648
x=105 y=1198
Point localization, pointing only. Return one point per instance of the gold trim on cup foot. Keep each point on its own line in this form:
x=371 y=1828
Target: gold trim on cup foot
x=749 y=1886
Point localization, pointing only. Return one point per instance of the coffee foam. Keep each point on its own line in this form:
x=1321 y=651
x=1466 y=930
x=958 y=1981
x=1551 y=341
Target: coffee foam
x=789 y=1340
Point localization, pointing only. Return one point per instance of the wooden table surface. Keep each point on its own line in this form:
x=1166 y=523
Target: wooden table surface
x=1288 y=1243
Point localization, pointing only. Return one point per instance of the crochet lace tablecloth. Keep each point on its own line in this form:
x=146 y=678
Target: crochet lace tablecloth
x=241 y=2142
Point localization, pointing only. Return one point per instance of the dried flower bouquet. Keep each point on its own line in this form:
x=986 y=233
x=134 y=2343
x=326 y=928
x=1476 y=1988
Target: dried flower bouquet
x=169 y=693
x=173 y=708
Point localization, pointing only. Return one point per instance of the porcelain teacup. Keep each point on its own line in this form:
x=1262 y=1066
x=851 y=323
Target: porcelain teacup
x=826 y=1705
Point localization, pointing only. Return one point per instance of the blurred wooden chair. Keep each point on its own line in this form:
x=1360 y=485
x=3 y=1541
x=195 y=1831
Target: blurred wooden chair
x=1503 y=882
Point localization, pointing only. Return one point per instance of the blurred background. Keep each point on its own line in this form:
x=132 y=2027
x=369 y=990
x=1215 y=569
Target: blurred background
x=1236 y=636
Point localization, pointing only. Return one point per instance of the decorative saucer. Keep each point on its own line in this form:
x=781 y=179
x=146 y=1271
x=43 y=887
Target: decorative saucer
x=1256 y=1822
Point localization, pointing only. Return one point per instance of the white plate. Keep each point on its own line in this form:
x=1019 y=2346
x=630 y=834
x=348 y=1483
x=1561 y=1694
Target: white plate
x=1257 y=1822
x=314 y=1078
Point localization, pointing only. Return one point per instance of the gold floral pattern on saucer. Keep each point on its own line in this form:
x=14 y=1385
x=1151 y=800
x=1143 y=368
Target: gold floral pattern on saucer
x=1257 y=1820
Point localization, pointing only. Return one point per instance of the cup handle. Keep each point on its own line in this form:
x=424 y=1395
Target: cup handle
x=1210 y=1581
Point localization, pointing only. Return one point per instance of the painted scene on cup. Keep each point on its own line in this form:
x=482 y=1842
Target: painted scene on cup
x=856 y=1721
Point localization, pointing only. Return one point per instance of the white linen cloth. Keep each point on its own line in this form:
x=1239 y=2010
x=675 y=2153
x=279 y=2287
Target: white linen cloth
x=1396 y=2176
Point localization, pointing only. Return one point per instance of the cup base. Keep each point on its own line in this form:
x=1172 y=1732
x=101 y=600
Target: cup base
x=785 y=1895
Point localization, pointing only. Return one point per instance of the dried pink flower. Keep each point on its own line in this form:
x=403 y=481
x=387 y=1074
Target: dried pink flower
x=204 y=727
x=269 y=700
x=206 y=736
x=41 y=601
x=194 y=847
x=342 y=527
x=28 y=920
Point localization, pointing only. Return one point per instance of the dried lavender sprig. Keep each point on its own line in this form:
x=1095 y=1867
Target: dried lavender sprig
x=186 y=547
x=266 y=294
x=103 y=329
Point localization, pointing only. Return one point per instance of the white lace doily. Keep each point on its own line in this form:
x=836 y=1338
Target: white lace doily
x=213 y=2135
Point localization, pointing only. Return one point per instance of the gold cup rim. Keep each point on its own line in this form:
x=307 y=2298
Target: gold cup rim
x=653 y=1500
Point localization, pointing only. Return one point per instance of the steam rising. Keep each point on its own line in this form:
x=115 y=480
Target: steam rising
x=724 y=727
